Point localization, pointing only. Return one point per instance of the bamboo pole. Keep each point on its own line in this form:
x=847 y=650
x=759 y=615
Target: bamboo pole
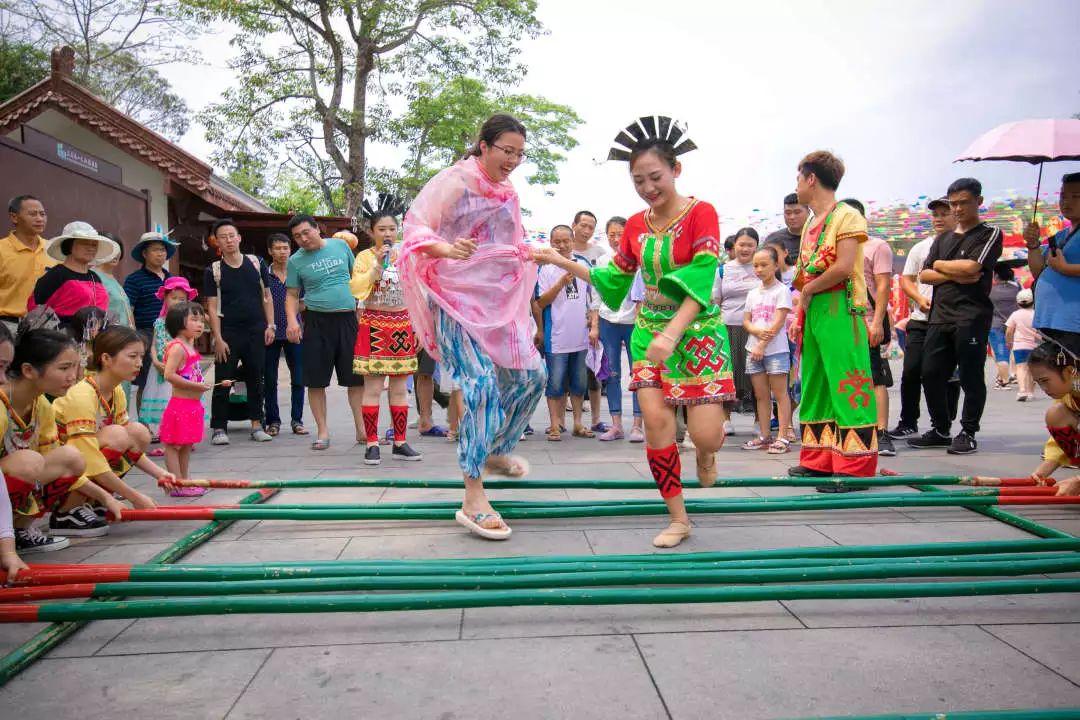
x=33 y=649
x=635 y=484
x=603 y=578
x=233 y=604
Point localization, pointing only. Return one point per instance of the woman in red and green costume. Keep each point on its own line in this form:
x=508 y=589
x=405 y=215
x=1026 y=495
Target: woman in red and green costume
x=838 y=412
x=679 y=347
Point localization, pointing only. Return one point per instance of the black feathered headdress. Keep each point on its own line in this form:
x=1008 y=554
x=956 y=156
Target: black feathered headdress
x=648 y=130
x=387 y=204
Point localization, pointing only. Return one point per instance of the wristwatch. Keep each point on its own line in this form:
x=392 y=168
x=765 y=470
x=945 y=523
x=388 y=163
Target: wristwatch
x=271 y=326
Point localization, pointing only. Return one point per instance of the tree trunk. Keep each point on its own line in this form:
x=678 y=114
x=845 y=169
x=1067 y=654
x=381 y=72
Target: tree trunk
x=357 y=151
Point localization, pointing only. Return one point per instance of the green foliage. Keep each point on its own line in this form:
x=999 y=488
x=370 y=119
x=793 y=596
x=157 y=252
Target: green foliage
x=318 y=78
x=442 y=119
x=118 y=47
x=21 y=65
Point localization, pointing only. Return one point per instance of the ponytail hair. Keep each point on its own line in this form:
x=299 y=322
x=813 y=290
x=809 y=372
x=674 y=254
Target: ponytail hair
x=493 y=128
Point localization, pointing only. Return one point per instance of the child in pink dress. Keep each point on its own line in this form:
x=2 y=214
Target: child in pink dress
x=184 y=419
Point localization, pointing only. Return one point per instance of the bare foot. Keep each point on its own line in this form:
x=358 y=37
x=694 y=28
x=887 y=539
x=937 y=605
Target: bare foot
x=507 y=465
x=706 y=469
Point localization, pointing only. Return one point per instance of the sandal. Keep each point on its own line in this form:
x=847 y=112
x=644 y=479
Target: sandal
x=434 y=431
x=583 y=432
x=790 y=435
x=451 y=435
x=758 y=443
x=511 y=466
x=273 y=429
x=320 y=444
x=779 y=446
x=707 y=474
x=299 y=429
x=473 y=523
x=554 y=435
x=675 y=533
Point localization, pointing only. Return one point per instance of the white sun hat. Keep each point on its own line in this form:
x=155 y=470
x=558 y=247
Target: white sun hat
x=79 y=230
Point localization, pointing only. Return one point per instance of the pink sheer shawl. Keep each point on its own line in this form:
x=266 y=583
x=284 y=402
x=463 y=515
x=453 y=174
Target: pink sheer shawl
x=488 y=294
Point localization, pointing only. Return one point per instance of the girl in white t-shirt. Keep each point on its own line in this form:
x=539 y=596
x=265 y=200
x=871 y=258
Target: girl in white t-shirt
x=768 y=359
x=1021 y=337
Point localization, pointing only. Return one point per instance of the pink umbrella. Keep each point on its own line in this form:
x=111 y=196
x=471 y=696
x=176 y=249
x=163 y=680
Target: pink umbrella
x=1033 y=141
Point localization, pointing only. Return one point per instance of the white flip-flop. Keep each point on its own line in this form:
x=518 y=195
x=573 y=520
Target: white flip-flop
x=474 y=526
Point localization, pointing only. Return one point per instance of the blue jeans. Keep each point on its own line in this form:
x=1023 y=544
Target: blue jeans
x=614 y=336
x=567 y=369
x=292 y=359
x=998 y=345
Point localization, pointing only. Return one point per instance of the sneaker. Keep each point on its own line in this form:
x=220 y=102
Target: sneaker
x=32 y=540
x=729 y=429
x=803 y=471
x=220 y=437
x=885 y=445
x=258 y=435
x=774 y=424
x=1000 y=385
x=1024 y=397
x=963 y=444
x=80 y=521
x=404 y=452
x=528 y=430
x=902 y=431
x=688 y=443
x=637 y=435
x=929 y=439
x=372 y=456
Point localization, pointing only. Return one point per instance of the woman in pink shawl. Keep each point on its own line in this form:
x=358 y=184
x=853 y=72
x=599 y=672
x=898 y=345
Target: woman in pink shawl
x=468 y=279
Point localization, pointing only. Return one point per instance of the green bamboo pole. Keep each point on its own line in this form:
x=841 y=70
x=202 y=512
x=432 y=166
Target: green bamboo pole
x=568 y=483
x=349 y=569
x=569 y=510
x=681 y=576
x=33 y=649
x=146 y=572
x=1036 y=714
x=229 y=604
x=1017 y=521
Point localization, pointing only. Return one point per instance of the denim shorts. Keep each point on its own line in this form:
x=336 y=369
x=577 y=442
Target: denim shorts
x=1021 y=356
x=566 y=371
x=776 y=364
x=998 y=345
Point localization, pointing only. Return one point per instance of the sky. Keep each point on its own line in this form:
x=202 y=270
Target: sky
x=897 y=90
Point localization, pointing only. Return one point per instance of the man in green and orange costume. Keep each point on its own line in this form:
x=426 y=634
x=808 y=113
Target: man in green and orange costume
x=838 y=412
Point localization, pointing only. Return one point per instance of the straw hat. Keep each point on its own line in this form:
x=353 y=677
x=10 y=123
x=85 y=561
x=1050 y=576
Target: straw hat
x=79 y=230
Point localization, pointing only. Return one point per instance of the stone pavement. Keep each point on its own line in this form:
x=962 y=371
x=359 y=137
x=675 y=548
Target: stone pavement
x=743 y=660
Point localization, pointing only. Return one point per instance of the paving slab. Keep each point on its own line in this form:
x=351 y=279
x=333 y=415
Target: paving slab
x=1053 y=608
x=1055 y=646
x=164 y=686
x=913 y=532
x=706 y=539
x=804 y=673
x=249 y=551
x=235 y=632
x=574 y=677
x=503 y=622
x=463 y=544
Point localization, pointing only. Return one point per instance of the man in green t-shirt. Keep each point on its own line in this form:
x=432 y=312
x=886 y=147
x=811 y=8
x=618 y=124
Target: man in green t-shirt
x=321 y=269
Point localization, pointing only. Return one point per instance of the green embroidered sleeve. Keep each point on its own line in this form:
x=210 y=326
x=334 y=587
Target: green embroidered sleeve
x=611 y=283
x=694 y=280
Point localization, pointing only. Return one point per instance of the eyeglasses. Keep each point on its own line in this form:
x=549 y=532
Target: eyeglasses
x=511 y=152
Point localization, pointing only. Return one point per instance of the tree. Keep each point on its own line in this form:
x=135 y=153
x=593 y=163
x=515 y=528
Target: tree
x=317 y=76
x=21 y=65
x=119 y=44
x=441 y=122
